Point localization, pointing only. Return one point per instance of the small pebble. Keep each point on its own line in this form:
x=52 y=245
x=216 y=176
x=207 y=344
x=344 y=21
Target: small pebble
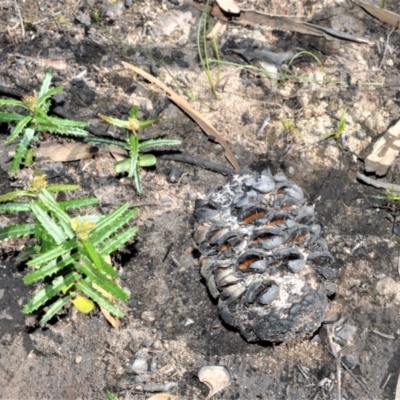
x=166 y=199
x=346 y=332
x=78 y=359
x=350 y=361
x=174 y=175
x=140 y=364
x=148 y=316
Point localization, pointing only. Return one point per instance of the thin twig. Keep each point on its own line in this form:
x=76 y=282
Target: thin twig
x=338 y=369
x=189 y=159
x=383 y=334
x=378 y=184
x=20 y=18
x=387 y=45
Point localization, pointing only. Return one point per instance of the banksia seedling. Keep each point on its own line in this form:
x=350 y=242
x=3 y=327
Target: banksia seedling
x=70 y=253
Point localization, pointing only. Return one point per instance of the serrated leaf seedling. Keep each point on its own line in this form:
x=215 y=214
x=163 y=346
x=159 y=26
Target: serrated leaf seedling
x=70 y=253
x=133 y=145
x=32 y=119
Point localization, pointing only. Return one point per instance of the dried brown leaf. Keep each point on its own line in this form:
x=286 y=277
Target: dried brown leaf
x=383 y=15
x=163 y=396
x=53 y=151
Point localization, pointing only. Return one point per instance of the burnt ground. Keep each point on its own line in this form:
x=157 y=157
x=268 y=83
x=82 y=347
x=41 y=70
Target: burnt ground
x=170 y=319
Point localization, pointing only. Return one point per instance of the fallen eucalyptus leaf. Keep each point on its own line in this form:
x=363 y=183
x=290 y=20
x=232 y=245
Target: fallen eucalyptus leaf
x=229 y=6
x=215 y=377
x=163 y=396
x=53 y=151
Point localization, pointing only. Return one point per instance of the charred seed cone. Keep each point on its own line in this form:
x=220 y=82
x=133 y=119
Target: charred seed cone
x=261 y=249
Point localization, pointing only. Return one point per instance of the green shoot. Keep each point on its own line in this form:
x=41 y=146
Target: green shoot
x=70 y=253
x=32 y=120
x=202 y=50
x=133 y=145
x=290 y=126
x=339 y=130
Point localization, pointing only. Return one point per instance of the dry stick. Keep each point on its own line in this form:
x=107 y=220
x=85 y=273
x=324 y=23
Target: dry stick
x=338 y=369
x=186 y=158
x=346 y=368
x=378 y=184
x=387 y=44
x=20 y=18
x=187 y=108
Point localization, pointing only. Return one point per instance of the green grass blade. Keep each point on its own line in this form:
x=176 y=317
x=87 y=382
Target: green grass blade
x=117 y=223
x=118 y=241
x=134 y=111
x=49 y=224
x=48 y=292
x=111 y=396
x=56 y=307
x=98 y=298
x=50 y=269
x=54 y=253
x=152 y=143
x=45 y=86
x=21 y=150
x=77 y=203
x=14 y=231
x=86 y=267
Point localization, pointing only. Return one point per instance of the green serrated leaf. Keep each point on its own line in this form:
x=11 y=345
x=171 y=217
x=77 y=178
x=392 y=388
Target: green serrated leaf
x=148 y=122
x=134 y=111
x=56 y=307
x=118 y=241
x=63 y=218
x=48 y=292
x=48 y=94
x=15 y=207
x=116 y=223
x=67 y=123
x=62 y=188
x=21 y=150
x=115 y=121
x=77 y=203
x=138 y=180
x=98 y=298
x=93 y=255
x=107 y=142
x=88 y=269
x=134 y=154
x=50 y=269
x=8 y=117
x=49 y=224
x=147 y=160
x=13 y=103
x=112 y=396
x=45 y=86
x=106 y=221
x=152 y=143
x=13 y=195
x=14 y=231
x=18 y=129
x=54 y=253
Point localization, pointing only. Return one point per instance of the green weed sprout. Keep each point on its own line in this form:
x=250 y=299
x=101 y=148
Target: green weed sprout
x=33 y=120
x=70 y=253
x=133 y=145
x=339 y=130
